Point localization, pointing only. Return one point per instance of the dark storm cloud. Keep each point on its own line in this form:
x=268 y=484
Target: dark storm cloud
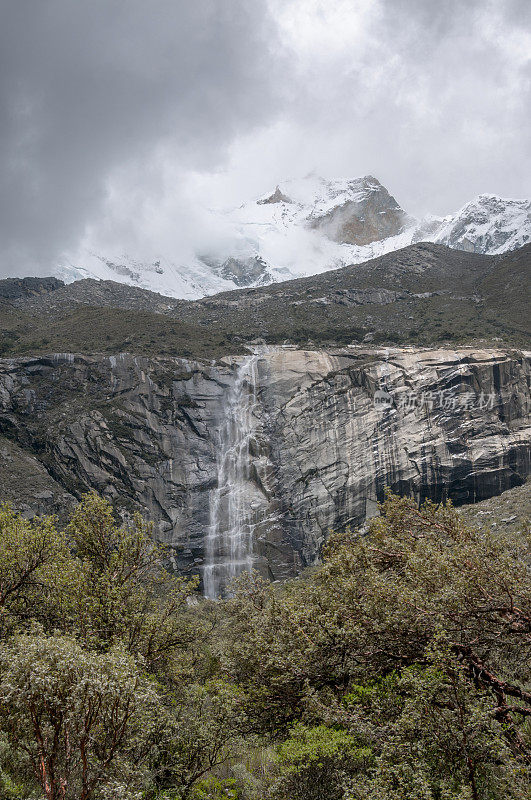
x=87 y=87
x=112 y=111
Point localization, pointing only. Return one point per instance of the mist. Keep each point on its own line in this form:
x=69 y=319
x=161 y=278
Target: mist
x=123 y=125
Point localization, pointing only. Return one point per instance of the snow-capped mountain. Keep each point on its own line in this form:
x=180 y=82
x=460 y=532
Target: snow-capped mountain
x=187 y=281
x=487 y=224
x=307 y=226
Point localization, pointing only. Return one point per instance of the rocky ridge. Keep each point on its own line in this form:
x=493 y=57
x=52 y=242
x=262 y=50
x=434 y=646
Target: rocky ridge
x=423 y=294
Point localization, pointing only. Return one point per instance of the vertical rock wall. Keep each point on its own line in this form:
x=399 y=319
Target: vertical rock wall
x=330 y=430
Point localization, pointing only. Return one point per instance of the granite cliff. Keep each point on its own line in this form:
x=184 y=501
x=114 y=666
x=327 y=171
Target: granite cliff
x=319 y=434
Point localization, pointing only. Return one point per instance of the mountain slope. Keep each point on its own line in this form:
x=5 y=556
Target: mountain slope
x=308 y=226
x=423 y=294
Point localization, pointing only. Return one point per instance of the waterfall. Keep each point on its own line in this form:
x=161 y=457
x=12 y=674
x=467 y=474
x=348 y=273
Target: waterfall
x=229 y=541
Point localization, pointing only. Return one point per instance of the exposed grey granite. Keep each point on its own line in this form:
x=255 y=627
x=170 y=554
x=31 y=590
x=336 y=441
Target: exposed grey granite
x=143 y=433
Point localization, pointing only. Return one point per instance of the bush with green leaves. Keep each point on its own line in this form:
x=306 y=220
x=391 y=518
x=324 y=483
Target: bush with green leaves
x=107 y=678
x=316 y=763
x=416 y=639
x=73 y=716
x=400 y=668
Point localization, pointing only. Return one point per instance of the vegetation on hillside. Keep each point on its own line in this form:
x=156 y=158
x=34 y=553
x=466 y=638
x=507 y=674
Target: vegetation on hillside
x=423 y=295
x=110 y=330
x=398 y=669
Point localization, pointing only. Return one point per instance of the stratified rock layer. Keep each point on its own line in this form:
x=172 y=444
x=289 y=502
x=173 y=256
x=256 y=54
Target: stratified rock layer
x=333 y=429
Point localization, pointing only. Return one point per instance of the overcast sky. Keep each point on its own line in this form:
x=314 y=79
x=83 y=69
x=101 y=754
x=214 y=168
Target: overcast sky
x=120 y=120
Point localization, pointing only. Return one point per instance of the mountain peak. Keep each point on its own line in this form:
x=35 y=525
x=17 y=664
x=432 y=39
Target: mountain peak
x=488 y=224
x=276 y=197
x=357 y=211
x=309 y=225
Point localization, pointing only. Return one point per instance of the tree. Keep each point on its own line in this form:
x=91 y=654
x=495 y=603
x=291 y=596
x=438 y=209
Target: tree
x=98 y=580
x=399 y=668
x=205 y=730
x=74 y=717
x=126 y=593
x=437 y=611
x=36 y=569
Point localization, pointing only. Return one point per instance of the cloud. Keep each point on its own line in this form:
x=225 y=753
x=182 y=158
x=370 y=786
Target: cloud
x=431 y=96
x=92 y=91
x=123 y=121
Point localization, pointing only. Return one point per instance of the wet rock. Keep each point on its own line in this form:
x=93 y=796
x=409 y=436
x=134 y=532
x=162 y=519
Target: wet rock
x=145 y=433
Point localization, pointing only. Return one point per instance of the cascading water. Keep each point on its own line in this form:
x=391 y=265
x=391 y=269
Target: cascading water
x=229 y=542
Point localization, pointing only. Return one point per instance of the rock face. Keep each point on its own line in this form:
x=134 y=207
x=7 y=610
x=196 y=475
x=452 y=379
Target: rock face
x=325 y=432
x=249 y=271
x=368 y=213
x=26 y=483
x=15 y=288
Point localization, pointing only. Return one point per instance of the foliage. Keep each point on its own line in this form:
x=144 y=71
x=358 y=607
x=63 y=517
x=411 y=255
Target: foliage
x=415 y=638
x=316 y=762
x=206 y=731
x=35 y=571
x=72 y=714
x=215 y=789
x=126 y=593
x=398 y=669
